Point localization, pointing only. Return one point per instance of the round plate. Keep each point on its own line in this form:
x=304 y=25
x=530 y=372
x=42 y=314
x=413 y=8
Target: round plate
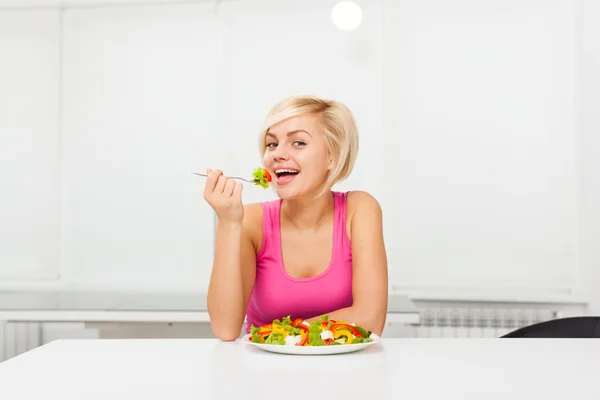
x=312 y=350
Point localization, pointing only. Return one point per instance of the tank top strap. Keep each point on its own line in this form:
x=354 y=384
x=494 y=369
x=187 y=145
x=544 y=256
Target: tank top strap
x=340 y=199
x=270 y=225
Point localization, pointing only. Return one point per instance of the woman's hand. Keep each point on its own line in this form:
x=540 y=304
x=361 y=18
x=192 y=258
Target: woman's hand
x=224 y=196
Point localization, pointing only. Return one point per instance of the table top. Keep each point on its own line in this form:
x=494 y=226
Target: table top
x=394 y=368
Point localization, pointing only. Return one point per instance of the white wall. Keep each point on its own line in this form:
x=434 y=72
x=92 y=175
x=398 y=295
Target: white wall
x=139 y=115
x=481 y=112
x=469 y=135
x=29 y=144
x=590 y=150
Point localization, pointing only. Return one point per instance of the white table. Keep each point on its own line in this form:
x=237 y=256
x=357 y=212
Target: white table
x=448 y=369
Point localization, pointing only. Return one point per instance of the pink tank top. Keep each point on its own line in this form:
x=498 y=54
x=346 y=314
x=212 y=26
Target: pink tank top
x=276 y=294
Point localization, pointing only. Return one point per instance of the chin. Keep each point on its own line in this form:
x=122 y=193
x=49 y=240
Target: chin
x=285 y=194
x=289 y=192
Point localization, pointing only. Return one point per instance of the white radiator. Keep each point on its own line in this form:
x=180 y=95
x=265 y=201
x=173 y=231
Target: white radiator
x=477 y=322
x=18 y=337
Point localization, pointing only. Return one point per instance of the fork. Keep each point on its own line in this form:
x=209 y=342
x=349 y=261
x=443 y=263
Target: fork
x=229 y=177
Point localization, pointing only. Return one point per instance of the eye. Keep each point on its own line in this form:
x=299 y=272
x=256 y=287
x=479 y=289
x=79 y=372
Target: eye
x=299 y=143
x=271 y=145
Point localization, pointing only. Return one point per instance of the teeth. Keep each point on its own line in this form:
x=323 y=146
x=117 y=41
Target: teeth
x=279 y=171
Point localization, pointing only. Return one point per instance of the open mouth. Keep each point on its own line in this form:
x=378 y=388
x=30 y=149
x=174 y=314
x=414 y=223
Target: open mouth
x=286 y=172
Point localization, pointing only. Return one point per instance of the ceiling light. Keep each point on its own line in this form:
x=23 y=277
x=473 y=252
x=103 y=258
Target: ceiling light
x=346 y=15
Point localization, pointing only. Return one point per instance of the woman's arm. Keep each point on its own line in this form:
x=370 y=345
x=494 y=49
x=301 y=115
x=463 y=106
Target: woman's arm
x=233 y=275
x=369 y=266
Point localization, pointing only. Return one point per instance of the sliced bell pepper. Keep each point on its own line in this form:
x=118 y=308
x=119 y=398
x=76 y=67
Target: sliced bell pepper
x=279 y=329
x=325 y=324
x=263 y=334
x=343 y=332
x=304 y=338
x=349 y=327
x=298 y=323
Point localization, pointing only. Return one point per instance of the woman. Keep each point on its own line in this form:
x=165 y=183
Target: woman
x=311 y=252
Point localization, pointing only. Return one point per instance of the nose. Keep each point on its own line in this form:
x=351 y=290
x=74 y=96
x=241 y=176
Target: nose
x=280 y=153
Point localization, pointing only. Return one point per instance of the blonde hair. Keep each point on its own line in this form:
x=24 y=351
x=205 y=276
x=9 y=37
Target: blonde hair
x=339 y=130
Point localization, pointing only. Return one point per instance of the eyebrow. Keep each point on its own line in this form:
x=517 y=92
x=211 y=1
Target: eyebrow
x=290 y=133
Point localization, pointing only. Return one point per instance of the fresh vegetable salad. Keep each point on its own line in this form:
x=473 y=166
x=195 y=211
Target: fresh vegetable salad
x=324 y=332
x=261 y=177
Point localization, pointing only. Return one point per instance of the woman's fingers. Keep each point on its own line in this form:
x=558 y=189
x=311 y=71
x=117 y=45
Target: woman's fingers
x=211 y=180
x=218 y=184
x=237 y=191
x=229 y=186
x=224 y=195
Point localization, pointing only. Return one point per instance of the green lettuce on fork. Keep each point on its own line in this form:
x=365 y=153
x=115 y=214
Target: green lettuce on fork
x=323 y=332
x=261 y=177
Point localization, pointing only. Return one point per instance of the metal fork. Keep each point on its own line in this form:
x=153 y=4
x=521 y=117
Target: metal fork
x=230 y=177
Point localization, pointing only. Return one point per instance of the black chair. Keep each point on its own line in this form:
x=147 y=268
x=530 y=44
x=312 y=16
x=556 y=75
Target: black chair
x=572 y=327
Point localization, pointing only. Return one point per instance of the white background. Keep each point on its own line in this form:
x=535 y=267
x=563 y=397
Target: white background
x=478 y=122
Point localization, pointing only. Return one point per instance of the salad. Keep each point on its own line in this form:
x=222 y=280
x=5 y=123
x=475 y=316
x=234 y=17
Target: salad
x=324 y=332
x=261 y=177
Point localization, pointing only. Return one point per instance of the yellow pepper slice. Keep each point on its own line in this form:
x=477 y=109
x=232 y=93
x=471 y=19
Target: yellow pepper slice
x=280 y=329
x=343 y=332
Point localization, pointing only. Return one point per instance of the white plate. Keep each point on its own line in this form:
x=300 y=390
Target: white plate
x=311 y=350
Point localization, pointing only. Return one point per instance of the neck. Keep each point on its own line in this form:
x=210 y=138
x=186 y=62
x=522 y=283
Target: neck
x=308 y=213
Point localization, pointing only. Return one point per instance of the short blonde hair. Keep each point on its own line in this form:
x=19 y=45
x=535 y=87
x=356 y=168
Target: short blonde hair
x=339 y=130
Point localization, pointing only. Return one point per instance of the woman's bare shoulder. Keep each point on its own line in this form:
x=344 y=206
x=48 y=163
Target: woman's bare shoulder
x=359 y=201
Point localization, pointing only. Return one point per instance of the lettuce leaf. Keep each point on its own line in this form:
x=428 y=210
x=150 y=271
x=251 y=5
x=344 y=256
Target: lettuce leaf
x=254 y=332
x=361 y=340
x=275 y=338
x=314 y=334
x=363 y=332
x=260 y=177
